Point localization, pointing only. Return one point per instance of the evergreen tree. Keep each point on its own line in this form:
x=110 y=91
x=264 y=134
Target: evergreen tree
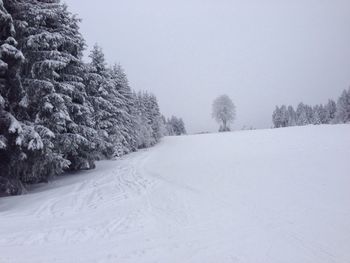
x=100 y=91
x=284 y=116
x=317 y=118
x=276 y=117
x=309 y=113
x=169 y=127
x=280 y=117
x=143 y=126
x=19 y=139
x=331 y=108
x=154 y=116
x=11 y=131
x=302 y=118
x=164 y=126
x=126 y=108
x=175 y=126
x=291 y=116
x=56 y=99
x=323 y=114
x=114 y=116
x=181 y=125
x=343 y=107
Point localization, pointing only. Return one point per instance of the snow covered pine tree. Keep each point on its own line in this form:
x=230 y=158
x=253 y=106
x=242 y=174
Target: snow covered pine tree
x=57 y=113
x=175 y=126
x=318 y=114
x=127 y=113
x=11 y=91
x=18 y=139
x=108 y=106
x=55 y=97
x=343 y=107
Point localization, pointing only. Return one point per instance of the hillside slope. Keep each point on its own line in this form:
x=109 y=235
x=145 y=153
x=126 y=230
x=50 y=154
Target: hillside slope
x=253 y=196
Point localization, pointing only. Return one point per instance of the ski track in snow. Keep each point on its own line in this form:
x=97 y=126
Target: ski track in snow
x=244 y=197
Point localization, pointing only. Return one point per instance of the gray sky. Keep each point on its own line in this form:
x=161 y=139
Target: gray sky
x=259 y=52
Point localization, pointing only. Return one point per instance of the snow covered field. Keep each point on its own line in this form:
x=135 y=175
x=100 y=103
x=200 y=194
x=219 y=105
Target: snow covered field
x=271 y=196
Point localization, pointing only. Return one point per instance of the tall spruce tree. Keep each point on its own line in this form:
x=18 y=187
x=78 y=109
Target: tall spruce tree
x=108 y=95
x=154 y=116
x=276 y=117
x=284 y=116
x=95 y=79
x=143 y=123
x=80 y=147
x=316 y=116
x=291 y=116
x=19 y=138
x=302 y=118
x=331 y=108
x=126 y=113
x=11 y=91
x=49 y=37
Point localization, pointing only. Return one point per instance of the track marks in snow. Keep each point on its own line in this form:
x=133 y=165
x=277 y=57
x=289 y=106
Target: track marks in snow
x=112 y=196
x=229 y=198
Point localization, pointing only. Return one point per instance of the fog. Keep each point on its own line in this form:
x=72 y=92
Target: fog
x=259 y=52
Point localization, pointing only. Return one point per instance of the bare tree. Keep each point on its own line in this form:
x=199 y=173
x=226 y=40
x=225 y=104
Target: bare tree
x=224 y=112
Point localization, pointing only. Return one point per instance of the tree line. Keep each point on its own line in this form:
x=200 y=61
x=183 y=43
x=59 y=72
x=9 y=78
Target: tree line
x=58 y=113
x=330 y=113
x=174 y=126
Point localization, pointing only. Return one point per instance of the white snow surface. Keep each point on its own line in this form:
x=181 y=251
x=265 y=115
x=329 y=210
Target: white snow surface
x=274 y=196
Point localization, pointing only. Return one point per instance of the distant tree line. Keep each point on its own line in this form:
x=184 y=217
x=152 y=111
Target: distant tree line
x=174 y=126
x=330 y=113
x=58 y=113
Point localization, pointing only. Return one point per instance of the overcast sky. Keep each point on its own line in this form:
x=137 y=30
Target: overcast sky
x=259 y=52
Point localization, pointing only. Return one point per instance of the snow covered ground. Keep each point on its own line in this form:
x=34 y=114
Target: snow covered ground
x=260 y=196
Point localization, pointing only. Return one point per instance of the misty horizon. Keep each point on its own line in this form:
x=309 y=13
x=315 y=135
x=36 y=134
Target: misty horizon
x=189 y=52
